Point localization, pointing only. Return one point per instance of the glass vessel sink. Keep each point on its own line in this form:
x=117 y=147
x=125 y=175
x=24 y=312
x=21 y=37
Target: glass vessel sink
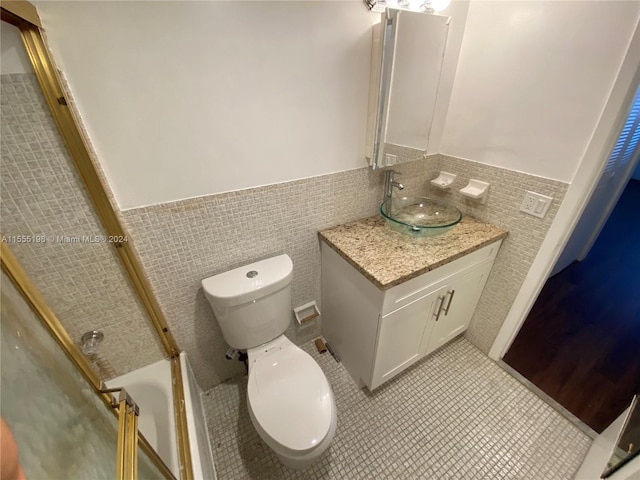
x=419 y=216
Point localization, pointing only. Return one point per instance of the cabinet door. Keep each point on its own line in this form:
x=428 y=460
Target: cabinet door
x=460 y=300
x=400 y=336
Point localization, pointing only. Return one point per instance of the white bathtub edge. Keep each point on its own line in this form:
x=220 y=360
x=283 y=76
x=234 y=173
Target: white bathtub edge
x=158 y=403
x=199 y=441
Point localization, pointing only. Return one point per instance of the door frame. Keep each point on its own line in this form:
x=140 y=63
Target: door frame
x=613 y=201
x=578 y=194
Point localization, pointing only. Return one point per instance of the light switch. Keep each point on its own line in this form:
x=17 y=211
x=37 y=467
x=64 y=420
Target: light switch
x=536 y=204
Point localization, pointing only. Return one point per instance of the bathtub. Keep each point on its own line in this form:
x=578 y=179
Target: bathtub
x=150 y=388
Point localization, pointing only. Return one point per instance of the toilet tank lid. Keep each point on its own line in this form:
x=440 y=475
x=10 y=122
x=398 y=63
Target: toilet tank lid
x=247 y=283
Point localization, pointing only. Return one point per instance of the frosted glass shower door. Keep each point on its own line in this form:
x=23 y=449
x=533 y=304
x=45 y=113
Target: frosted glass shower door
x=62 y=428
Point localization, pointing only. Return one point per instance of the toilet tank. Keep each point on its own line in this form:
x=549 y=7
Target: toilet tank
x=252 y=303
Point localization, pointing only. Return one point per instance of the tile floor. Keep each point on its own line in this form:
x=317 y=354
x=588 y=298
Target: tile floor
x=454 y=415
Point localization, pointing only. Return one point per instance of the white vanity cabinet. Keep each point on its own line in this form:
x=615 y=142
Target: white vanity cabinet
x=403 y=337
x=459 y=301
x=378 y=333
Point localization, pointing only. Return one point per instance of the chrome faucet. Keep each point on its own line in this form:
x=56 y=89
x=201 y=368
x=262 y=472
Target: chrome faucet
x=389 y=183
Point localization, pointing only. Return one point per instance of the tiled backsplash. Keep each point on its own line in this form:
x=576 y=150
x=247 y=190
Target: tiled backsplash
x=519 y=249
x=180 y=243
x=42 y=195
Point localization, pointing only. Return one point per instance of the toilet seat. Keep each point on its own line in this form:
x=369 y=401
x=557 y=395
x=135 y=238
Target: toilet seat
x=289 y=398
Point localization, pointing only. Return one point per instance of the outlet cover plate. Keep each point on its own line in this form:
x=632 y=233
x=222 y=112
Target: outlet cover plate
x=536 y=204
x=389 y=159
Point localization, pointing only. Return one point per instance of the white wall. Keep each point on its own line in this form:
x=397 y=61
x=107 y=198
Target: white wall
x=605 y=135
x=457 y=11
x=532 y=81
x=14 y=55
x=183 y=99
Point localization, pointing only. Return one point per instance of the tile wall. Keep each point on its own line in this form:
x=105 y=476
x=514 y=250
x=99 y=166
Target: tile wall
x=519 y=249
x=42 y=195
x=180 y=243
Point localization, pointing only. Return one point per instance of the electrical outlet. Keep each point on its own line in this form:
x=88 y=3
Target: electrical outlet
x=535 y=204
x=389 y=159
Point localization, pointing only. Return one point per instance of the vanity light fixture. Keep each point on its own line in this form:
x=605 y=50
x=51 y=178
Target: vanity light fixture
x=426 y=6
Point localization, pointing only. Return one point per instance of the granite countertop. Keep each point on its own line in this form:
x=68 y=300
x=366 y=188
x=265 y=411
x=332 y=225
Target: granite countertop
x=388 y=258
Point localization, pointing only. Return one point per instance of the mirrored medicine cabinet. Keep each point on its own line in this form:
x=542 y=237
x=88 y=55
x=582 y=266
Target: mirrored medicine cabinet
x=406 y=66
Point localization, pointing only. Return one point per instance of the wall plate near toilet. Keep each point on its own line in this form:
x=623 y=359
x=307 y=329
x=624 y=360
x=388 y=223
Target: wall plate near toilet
x=307 y=312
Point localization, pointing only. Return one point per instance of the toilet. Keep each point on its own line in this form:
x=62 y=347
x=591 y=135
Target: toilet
x=290 y=401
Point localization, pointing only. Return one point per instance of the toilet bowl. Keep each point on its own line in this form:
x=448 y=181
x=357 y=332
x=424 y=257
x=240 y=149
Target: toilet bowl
x=290 y=402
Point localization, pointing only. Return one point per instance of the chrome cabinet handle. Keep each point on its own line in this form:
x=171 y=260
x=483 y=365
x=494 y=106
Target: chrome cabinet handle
x=452 y=293
x=439 y=310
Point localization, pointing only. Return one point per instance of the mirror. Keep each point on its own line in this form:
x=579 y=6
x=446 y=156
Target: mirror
x=627 y=446
x=406 y=64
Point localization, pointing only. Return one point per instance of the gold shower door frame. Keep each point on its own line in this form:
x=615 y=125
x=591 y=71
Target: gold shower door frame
x=24 y=16
x=123 y=407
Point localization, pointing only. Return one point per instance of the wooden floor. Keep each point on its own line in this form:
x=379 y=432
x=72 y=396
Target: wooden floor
x=581 y=342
